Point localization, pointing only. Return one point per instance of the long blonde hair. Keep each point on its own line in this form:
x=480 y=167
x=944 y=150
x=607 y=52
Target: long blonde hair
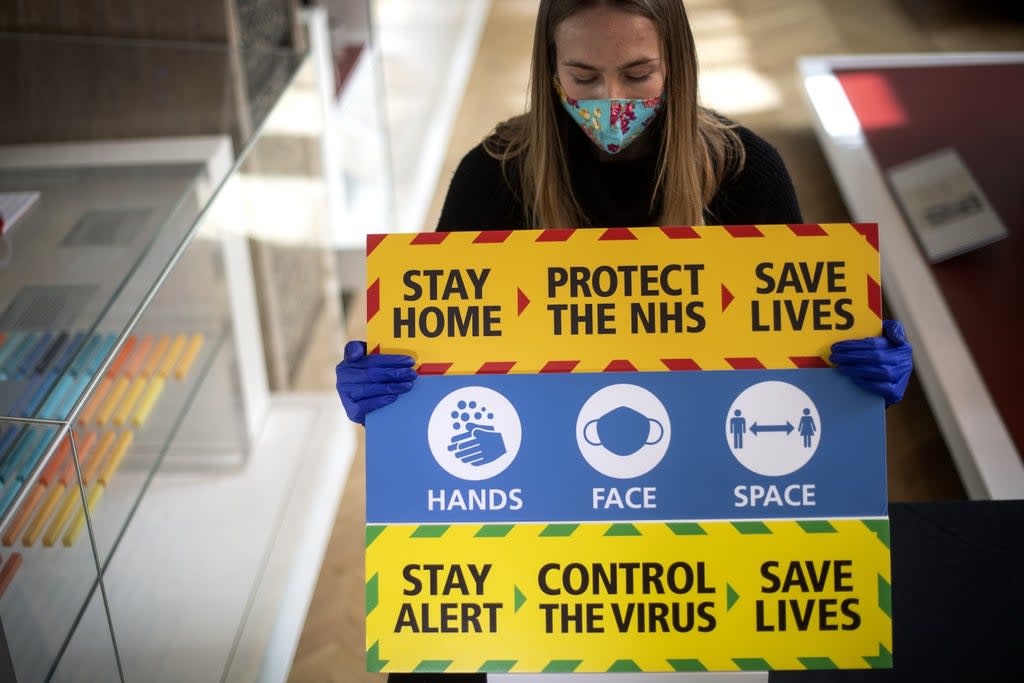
x=697 y=149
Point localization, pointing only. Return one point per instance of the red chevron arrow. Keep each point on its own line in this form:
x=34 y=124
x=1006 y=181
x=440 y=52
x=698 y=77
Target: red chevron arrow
x=524 y=301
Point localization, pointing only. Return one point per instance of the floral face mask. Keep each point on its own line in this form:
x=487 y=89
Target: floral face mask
x=612 y=125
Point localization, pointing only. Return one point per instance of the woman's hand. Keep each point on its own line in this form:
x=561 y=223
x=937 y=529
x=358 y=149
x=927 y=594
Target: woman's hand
x=881 y=365
x=367 y=382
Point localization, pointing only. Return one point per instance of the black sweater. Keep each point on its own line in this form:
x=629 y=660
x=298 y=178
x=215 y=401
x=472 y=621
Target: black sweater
x=618 y=193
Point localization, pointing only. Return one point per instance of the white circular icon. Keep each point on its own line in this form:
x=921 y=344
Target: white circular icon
x=474 y=433
x=623 y=431
x=773 y=428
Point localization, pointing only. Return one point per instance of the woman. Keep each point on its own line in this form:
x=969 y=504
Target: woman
x=614 y=137
x=662 y=160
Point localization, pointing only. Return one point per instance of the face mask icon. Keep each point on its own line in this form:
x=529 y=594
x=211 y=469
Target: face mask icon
x=623 y=431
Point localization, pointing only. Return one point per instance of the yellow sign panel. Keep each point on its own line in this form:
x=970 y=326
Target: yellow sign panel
x=629 y=597
x=711 y=298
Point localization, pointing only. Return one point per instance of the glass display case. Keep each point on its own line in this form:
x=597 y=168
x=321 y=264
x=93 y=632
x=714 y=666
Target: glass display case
x=355 y=136
x=155 y=496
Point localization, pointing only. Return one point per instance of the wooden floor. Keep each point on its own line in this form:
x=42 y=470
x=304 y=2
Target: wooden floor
x=745 y=46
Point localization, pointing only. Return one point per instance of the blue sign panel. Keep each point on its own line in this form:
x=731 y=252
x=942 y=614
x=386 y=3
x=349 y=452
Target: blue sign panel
x=627 y=446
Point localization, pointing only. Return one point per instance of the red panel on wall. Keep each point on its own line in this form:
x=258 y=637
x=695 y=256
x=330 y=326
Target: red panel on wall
x=908 y=112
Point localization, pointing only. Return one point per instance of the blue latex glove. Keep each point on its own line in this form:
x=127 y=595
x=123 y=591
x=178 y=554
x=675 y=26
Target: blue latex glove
x=881 y=365
x=367 y=382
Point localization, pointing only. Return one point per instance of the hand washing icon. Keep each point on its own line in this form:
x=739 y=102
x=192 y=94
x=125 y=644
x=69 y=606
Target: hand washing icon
x=474 y=433
x=623 y=431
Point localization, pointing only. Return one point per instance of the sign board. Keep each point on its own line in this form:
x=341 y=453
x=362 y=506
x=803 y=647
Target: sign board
x=696 y=298
x=629 y=597
x=627 y=446
x=560 y=491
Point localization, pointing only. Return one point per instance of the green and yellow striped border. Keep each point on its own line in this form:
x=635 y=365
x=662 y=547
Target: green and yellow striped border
x=879 y=527
x=374 y=663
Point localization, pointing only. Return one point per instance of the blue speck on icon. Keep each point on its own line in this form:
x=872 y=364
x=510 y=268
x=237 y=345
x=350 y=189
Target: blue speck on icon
x=461 y=413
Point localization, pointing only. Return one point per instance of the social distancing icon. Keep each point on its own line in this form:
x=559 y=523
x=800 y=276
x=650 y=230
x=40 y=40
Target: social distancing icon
x=773 y=428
